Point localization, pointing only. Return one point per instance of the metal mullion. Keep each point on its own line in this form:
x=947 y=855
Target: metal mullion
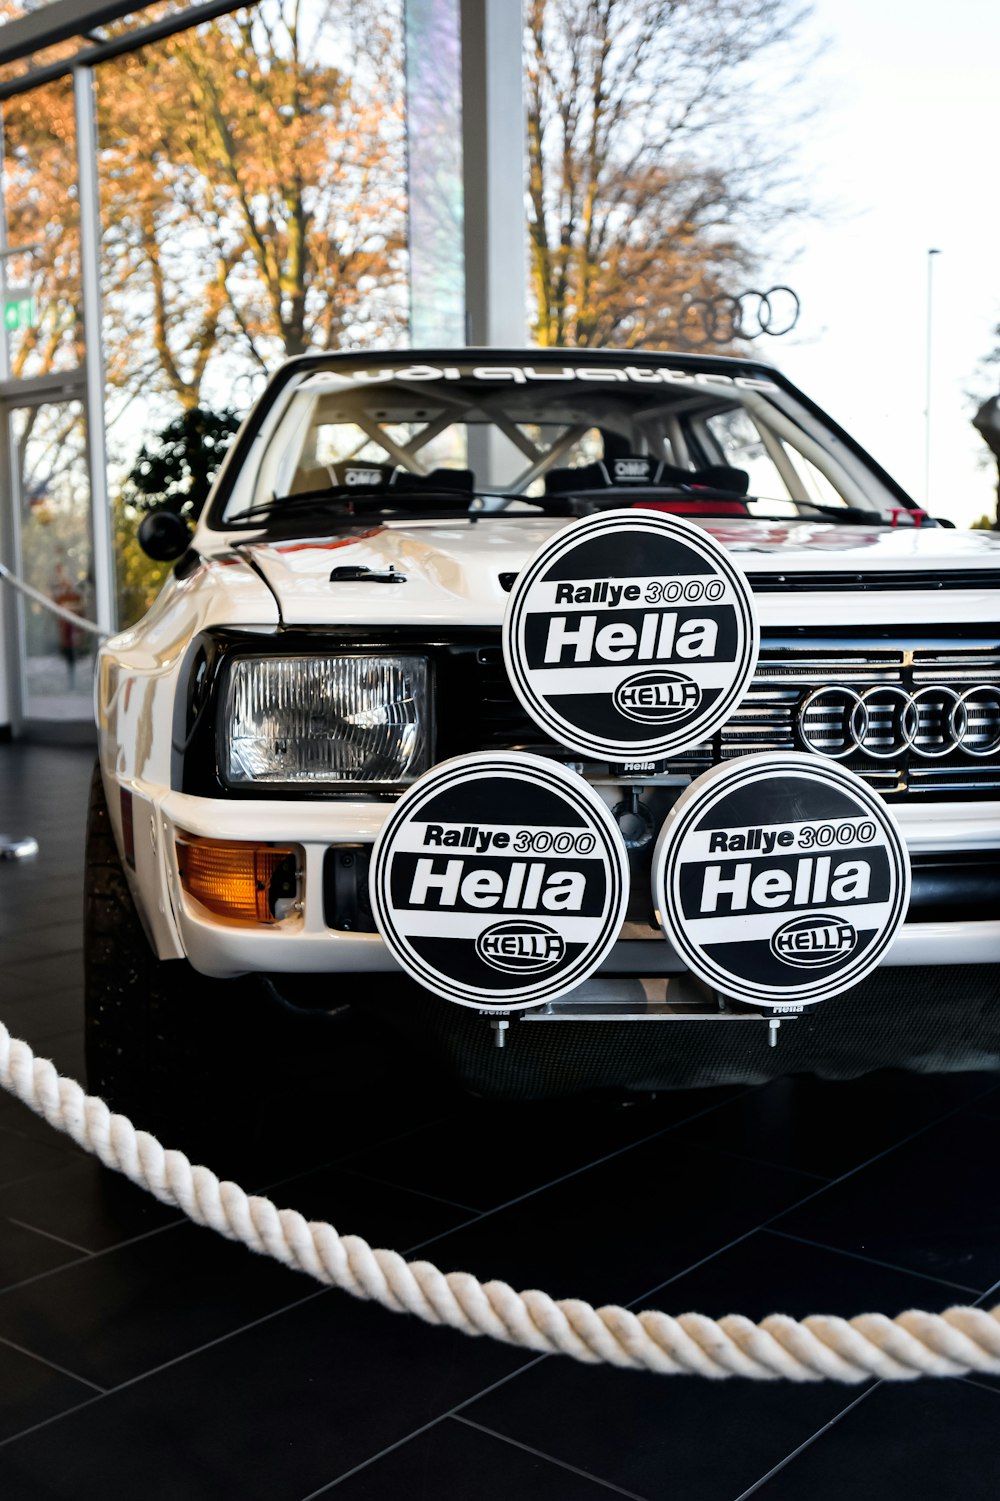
x=33 y=390
x=13 y=632
x=90 y=277
x=129 y=41
x=10 y=622
x=57 y=22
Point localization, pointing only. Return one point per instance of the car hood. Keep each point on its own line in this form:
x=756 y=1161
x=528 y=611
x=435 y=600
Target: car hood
x=456 y=573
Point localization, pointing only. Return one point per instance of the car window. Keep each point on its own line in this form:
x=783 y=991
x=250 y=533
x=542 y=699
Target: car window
x=740 y=444
x=371 y=439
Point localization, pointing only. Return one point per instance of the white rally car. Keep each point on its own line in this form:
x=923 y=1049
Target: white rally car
x=332 y=632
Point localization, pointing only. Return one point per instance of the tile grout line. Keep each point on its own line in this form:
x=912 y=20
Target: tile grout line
x=220 y=1339
x=12 y=1438
x=800 y=1172
x=93 y=1255
x=338 y=1162
x=694 y=1265
x=807 y=1443
x=44 y=1172
x=995 y=1287
x=209 y=1344
x=59 y=1239
x=484 y=1214
x=420 y=1245
x=551 y=1458
x=979 y=1385
x=765 y=1224
x=585 y=1167
x=442 y=1417
x=876 y=1157
x=53 y=1365
x=103 y=1393
x=642 y=1141
x=388 y=1141
x=520 y=1198
x=789 y=1458
x=181 y=1219
x=890 y=1266
x=420 y=1193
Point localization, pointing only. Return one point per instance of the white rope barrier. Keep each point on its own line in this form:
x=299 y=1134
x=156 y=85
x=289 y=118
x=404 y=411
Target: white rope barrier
x=50 y=604
x=820 y=1347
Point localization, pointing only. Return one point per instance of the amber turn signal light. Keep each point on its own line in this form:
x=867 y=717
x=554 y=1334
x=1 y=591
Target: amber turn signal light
x=243 y=882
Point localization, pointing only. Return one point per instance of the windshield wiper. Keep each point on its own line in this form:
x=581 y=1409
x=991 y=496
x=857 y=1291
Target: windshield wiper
x=846 y=513
x=354 y=501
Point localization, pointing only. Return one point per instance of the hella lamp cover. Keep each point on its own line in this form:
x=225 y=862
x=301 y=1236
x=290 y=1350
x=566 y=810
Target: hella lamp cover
x=326 y=719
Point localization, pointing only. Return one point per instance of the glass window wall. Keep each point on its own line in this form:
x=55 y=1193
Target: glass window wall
x=40 y=270
x=253 y=178
x=55 y=557
x=253 y=188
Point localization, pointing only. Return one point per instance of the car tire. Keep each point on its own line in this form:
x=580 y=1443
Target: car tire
x=162 y=1042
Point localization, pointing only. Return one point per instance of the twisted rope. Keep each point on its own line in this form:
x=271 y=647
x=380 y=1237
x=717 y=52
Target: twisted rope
x=50 y=604
x=820 y=1347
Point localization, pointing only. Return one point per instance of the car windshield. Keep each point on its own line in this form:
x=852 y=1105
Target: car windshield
x=558 y=436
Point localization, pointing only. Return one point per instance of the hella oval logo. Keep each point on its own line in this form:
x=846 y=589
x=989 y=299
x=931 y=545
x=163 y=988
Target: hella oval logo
x=520 y=946
x=657 y=697
x=814 y=940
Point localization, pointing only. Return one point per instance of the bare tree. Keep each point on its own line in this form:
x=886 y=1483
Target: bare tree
x=653 y=177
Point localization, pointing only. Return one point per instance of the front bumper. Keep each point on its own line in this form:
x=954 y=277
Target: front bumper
x=305 y=944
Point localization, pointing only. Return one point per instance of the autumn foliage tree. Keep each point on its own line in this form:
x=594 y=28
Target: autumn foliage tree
x=253 y=190
x=252 y=177
x=255 y=187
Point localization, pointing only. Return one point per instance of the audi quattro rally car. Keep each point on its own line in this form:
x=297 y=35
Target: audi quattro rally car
x=342 y=662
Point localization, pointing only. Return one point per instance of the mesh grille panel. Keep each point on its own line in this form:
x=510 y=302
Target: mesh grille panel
x=930 y=1020
x=917 y=700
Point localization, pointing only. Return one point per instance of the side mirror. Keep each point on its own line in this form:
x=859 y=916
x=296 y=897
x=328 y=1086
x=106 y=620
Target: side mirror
x=163 y=535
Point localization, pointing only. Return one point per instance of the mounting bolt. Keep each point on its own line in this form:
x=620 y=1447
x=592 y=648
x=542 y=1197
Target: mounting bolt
x=499 y=1025
x=773 y=1023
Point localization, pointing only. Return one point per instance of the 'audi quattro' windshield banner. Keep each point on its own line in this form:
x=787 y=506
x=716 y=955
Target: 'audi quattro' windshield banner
x=630 y=635
x=780 y=880
x=499 y=881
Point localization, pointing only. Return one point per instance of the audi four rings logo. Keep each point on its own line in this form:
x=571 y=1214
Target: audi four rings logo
x=714 y=320
x=886 y=720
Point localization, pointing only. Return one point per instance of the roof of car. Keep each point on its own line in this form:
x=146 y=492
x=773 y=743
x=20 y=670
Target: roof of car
x=526 y=354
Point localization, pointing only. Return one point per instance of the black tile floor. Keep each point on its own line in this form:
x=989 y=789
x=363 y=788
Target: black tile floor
x=143 y=1357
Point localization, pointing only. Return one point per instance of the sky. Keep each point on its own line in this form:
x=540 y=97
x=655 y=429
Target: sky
x=903 y=157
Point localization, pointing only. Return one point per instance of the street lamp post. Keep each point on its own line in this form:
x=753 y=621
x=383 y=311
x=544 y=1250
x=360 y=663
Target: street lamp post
x=927 y=405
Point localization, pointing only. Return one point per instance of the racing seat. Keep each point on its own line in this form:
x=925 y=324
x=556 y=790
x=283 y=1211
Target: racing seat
x=462 y=481
x=712 y=477
x=305 y=481
x=583 y=477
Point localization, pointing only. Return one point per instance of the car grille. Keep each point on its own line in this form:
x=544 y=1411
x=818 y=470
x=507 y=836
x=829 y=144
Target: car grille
x=928 y=725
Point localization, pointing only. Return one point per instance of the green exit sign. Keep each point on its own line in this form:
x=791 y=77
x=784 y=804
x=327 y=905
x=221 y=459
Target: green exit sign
x=20 y=312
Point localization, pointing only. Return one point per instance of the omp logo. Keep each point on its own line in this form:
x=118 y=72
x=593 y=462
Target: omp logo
x=657 y=697
x=635 y=470
x=367 y=477
x=814 y=939
x=520 y=946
